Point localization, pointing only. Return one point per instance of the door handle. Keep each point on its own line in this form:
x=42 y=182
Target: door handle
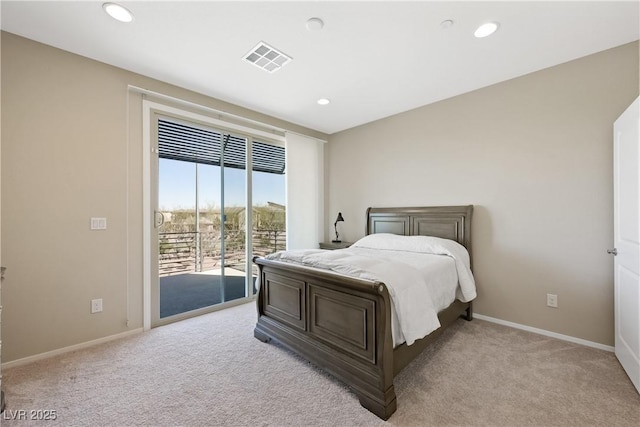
x=613 y=251
x=159 y=218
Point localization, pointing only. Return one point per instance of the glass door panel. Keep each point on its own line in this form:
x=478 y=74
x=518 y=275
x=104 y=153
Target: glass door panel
x=235 y=232
x=268 y=231
x=177 y=235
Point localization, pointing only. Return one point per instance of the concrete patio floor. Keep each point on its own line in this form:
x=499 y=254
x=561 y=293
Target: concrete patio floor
x=181 y=293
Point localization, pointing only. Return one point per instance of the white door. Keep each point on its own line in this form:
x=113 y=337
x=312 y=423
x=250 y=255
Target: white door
x=627 y=240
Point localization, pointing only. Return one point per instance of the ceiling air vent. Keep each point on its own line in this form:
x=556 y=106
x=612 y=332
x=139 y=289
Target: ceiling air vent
x=267 y=58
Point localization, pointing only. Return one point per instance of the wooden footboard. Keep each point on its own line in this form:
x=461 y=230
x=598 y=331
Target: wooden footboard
x=339 y=323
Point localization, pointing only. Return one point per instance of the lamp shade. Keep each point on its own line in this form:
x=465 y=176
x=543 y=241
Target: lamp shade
x=339 y=217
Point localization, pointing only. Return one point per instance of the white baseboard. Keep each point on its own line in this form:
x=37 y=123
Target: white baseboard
x=41 y=356
x=544 y=332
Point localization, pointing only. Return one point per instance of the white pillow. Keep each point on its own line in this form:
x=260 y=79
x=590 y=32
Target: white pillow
x=420 y=244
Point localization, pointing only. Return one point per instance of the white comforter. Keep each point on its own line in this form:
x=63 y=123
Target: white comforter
x=396 y=261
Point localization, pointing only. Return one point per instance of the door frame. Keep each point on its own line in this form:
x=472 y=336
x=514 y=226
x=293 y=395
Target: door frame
x=627 y=256
x=150 y=107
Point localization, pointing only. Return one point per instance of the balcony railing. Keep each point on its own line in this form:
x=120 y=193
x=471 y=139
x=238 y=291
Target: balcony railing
x=188 y=252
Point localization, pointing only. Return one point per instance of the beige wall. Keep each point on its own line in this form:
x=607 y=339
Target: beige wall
x=69 y=154
x=534 y=155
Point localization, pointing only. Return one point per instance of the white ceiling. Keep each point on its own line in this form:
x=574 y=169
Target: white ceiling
x=372 y=59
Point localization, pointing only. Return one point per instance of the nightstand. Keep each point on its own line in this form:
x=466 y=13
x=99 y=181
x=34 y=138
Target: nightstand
x=332 y=245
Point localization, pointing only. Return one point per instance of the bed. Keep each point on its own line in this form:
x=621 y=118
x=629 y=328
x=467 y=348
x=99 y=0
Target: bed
x=343 y=324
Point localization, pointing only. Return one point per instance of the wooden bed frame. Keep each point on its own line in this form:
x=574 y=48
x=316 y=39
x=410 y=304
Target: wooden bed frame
x=343 y=324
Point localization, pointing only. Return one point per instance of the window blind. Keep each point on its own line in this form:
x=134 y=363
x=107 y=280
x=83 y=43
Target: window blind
x=178 y=141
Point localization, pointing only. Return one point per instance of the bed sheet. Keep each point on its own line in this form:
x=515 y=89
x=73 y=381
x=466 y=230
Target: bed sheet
x=423 y=276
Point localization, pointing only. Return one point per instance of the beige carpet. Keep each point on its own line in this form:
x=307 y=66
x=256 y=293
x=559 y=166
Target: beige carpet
x=210 y=371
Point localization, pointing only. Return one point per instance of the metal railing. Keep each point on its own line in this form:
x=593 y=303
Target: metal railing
x=192 y=251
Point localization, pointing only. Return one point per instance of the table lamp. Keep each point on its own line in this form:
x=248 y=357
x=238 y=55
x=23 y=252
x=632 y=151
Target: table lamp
x=335 y=226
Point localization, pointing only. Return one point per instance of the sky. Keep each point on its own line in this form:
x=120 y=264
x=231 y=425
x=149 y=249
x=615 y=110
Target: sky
x=176 y=186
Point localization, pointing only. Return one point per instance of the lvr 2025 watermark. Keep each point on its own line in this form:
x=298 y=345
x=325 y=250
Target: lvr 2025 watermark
x=30 y=414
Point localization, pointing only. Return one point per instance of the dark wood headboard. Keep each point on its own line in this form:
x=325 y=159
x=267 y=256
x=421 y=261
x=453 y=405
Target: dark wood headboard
x=448 y=222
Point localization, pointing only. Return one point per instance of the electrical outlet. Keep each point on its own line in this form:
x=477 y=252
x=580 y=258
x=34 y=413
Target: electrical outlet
x=552 y=300
x=96 y=305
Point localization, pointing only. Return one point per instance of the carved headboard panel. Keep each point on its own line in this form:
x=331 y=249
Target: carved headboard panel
x=448 y=222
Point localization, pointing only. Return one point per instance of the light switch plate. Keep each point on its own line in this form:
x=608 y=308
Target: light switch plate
x=98 y=223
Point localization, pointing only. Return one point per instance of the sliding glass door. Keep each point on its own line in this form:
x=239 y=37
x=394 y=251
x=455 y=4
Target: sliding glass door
x=205 y=233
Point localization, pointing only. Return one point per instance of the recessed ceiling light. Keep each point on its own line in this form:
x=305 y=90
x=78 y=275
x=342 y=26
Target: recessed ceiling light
x=315 y=24
x=487 y=29
x=323 y=101
x=118 y=12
